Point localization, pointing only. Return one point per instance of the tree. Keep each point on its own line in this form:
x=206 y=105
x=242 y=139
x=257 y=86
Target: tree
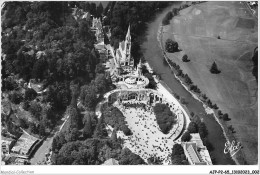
x=175 y=11
x=30 y=94
x=16 y=97
x=129 y=158
x=214 y=68
x=33 y=128
x=230 y=128
x=186 y=137
x=167 y=18
x=164 y=117
x=202 y=129
x=74 y=117
x=99 y=130
x=176 y=160
x=207 y=144
x=39 y=68
x=42 y=129
x=100 y=9
x=101 y=83
x=72 y=135
x=35 y=109
x=58 y=142
x=192 y=128
x=225 y=117
x=196 y=119
x=185 y=58
x=171 y=46
x=88 y=96
x=126 y=130
x=177 y=150
x=87 y=130
x=114 y=135
x=22 y=123
x=99 y=68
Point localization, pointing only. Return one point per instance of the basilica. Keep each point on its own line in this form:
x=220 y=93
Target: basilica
x=123 y=54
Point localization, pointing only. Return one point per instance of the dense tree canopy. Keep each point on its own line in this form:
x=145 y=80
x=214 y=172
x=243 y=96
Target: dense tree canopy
x=164 y=116
x=178 y=156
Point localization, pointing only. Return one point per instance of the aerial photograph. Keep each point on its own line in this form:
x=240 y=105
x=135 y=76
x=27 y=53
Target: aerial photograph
x=129 y=83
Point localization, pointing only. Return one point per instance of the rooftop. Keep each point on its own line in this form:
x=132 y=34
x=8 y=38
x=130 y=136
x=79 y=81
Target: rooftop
x=24 y=143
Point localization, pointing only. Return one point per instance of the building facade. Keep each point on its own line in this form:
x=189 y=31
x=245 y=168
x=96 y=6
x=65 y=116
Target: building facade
x=123 y=57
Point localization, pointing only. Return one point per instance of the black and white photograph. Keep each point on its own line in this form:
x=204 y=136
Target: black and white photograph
x=155 y=84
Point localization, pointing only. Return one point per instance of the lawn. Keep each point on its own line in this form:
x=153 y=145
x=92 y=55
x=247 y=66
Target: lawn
x=234 y=90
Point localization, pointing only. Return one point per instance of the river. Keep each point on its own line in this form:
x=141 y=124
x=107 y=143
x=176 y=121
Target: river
x=153 y=55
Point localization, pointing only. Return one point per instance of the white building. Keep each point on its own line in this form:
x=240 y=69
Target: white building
x=196 y=152
x=123 y=54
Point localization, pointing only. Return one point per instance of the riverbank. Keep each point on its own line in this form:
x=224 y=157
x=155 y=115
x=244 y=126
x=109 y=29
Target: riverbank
x=153 y=56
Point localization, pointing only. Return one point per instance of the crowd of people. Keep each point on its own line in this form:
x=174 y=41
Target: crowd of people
x=147 y=139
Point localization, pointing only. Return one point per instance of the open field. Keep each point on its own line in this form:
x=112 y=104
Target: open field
x=234 y=90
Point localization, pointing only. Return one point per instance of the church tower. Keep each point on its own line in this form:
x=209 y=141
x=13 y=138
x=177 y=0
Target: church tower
x=139 y=68
x=128 y=45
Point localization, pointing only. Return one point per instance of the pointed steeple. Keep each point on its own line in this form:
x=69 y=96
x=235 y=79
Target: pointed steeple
x=128 y=36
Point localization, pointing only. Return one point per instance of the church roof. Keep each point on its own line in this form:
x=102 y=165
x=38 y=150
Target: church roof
x=122 y=45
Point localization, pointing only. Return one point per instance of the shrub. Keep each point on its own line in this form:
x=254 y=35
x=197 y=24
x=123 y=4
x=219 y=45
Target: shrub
x=192 y=114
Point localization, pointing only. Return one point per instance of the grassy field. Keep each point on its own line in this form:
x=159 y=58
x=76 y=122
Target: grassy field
x=234 y=90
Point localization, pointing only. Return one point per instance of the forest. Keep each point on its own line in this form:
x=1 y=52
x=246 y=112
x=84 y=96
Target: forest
x=41 y=41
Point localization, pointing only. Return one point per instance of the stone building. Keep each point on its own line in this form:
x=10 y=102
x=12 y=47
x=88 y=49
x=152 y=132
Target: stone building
x=123 y=54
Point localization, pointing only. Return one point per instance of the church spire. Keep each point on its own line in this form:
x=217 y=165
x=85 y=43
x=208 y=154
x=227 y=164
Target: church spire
x=128 y=36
